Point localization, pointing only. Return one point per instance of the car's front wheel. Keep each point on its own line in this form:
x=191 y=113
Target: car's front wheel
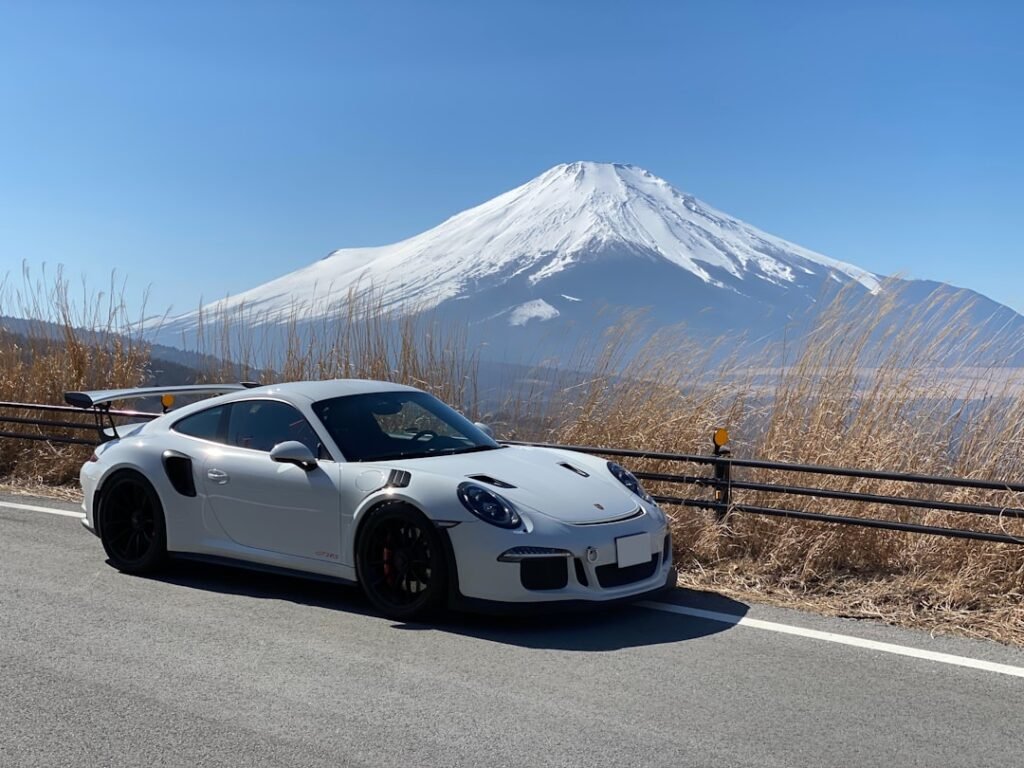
x=131 y=524
x=400 y=564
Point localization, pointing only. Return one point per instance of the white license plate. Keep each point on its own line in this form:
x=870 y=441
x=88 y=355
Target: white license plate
x=633 y=550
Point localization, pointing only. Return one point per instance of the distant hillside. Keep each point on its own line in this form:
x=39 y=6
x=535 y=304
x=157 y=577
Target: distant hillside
x=552 y=264
x=168 y=366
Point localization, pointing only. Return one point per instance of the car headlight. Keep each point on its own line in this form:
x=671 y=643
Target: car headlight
x=488 y=506
x=629 y=480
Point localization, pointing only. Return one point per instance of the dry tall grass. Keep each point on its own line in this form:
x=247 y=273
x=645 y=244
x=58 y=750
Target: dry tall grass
x=855 y=394
x=361 y=339
x=72 y=338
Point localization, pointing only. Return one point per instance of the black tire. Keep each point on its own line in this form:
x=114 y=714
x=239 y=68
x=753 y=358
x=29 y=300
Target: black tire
x=131 y=524
x=400 y=564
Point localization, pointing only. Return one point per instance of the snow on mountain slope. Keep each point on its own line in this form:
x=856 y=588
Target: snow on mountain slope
x=571 y=215
x=538 y=309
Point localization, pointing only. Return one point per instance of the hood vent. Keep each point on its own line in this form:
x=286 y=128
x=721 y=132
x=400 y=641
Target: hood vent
x=491 y=481
x=571 y=468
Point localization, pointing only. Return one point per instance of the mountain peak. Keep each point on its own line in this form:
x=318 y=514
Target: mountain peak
x=580 y=168
x=589 y=177
x=571 y=215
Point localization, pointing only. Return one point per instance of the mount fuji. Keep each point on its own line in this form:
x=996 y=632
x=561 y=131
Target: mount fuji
x=539 y=266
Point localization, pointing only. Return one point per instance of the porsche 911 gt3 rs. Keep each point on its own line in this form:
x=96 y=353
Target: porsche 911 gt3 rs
x=371 y=483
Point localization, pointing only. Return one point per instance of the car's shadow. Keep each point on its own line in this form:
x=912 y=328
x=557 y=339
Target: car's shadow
x=599 y=629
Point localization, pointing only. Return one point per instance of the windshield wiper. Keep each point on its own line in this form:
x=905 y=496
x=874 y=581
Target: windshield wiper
x=427 y=454
x=395 y=456
x=471 y=449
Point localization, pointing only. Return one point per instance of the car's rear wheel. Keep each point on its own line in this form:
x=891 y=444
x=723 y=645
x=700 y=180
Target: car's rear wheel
x=131 y=523
x=400 y=564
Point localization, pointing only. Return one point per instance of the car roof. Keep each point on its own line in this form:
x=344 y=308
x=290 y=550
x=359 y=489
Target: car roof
x=315 y=391
x=292 y=391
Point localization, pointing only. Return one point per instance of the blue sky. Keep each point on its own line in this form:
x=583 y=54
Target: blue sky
x=205 y=147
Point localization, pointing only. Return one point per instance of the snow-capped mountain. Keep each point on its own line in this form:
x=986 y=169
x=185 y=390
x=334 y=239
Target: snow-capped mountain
x=544 y=258
x=572 y=215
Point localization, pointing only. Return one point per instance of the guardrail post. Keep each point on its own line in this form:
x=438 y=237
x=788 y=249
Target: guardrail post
x=723 y=474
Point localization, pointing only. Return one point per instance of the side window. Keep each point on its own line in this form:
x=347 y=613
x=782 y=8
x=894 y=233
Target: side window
x=261 y=424
x=205 y=424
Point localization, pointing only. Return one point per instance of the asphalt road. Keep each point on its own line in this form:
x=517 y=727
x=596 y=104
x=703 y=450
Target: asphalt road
x=216 y=667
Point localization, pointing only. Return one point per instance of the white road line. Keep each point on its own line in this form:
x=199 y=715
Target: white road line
x=729 y=618
x=47 y=510
x=832 y=637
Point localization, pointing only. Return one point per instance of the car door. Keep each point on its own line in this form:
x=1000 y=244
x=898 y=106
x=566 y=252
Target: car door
x=268 y=505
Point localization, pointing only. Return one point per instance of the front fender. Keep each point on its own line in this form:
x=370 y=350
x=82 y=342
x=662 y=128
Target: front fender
x=437 y=500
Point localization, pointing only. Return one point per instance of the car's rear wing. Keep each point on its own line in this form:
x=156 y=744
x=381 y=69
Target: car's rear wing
x=99 y=401
x=105 y=397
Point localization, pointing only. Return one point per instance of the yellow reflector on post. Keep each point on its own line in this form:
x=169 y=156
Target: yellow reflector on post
x=721 y=437
x=166 y=401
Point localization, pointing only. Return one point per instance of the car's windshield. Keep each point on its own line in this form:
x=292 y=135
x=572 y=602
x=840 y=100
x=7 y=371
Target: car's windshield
x=398 y=425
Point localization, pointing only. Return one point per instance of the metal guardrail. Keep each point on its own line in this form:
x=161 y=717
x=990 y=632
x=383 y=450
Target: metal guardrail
x=725 y=485
x=722 y=481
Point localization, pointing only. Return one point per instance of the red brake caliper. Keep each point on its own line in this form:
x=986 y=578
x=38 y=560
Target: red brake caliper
x=387 y=563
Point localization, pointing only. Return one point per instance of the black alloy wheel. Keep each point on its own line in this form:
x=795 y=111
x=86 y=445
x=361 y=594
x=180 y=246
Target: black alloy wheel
x=131 y=523
x=400 y=564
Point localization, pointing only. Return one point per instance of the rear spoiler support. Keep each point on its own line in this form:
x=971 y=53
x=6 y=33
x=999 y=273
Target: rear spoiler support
x=99 y=412
x=99 y=401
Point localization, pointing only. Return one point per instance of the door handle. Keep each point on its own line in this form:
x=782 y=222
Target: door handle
x=219 y=476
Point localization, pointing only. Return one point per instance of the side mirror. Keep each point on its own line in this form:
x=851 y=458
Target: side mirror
x=293 y=452
x=484 y=428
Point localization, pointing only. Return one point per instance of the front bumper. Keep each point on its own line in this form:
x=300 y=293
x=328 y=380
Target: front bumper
x=481 y=582
x=460 y=602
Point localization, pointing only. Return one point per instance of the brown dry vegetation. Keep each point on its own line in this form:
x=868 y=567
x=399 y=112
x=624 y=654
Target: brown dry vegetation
x=76 y=338
x=849 y=399
x=854 y=395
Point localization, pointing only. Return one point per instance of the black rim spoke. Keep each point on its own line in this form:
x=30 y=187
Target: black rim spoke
x=129 y=520
x=399 y=563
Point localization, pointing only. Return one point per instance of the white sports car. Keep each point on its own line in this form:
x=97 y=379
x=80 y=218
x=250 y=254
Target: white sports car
x=370 y=483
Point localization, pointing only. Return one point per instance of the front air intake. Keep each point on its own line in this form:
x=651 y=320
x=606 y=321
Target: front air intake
x=610 y=576
x=544 y=573
x=581 y=573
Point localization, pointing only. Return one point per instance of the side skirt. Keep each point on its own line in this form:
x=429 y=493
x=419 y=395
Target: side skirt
x=261 y=567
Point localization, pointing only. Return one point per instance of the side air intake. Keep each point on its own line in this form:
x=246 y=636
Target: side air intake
x=178 y=467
